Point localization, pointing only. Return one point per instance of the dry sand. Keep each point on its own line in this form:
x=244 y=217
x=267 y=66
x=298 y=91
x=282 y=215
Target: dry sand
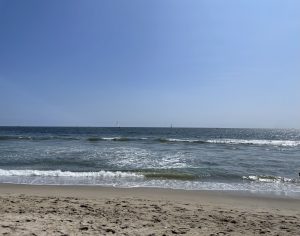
x=73 y=210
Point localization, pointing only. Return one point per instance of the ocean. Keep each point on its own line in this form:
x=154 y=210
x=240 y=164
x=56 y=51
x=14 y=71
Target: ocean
x=256 y=160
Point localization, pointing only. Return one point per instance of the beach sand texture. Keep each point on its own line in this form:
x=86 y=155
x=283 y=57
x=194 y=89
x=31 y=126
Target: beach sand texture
x=57 y=210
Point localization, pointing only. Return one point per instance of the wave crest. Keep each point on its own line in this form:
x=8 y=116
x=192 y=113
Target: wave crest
x=59 y=173
x=95 y=139
x=284 y=143
x=170 y=140
x=224 y=141
x=269 y=179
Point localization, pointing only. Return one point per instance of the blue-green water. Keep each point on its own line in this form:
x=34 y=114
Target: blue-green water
x=184 y=158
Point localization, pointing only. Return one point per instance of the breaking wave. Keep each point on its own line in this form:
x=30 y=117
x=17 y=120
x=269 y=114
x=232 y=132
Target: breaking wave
x=284 y=143
x=170 y=140
x=95 y=139
x=269 y=179
x=59 y=173
x=281 y=143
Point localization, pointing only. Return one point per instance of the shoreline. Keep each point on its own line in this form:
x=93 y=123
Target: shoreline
x=90 y=210
x=99 y=191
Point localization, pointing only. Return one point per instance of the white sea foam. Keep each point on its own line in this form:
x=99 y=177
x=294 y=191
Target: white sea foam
x=285 y=143
x=139 y=158
x=124 y=179
x=116 y=138
x=182 y=140
x=59 y=173
x=268 y=179
x=111 y=138
x=286 y=189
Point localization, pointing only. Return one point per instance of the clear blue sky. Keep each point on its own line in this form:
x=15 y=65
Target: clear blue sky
x=201 y=63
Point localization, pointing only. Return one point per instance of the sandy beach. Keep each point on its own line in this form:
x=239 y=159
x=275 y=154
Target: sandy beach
x=83 y=210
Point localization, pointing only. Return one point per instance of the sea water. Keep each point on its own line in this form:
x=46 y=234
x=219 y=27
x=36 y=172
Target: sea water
x=259 y=160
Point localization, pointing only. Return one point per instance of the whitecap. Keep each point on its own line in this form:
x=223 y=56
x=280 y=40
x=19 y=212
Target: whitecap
x=59 y=173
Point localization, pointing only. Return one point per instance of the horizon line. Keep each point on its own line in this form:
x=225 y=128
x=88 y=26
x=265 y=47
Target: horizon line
x=154 y=127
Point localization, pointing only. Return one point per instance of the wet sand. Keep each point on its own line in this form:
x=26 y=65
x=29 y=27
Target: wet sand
x=83 y=210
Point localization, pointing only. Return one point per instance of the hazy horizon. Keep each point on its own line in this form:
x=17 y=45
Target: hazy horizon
x=138 y=127
x=202 y=64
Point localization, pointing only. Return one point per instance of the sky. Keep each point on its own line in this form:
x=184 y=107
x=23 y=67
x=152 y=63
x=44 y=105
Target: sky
x=192 y=63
